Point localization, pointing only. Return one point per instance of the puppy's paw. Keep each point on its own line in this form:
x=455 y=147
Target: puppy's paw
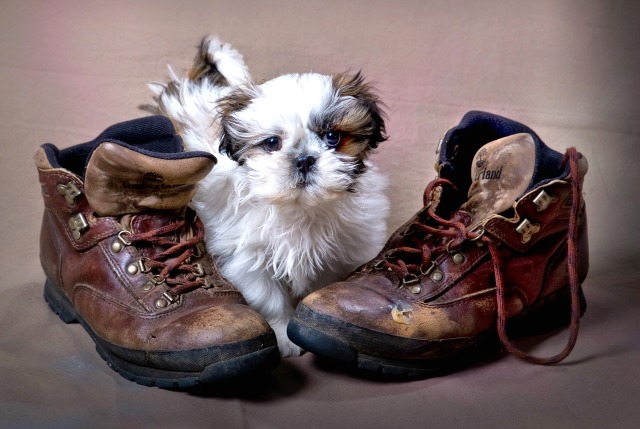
x=286 y=346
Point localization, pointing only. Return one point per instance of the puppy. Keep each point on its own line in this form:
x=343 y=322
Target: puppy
x=294 y=203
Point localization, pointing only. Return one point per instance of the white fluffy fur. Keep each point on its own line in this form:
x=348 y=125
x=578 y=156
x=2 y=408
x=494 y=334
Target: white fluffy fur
x=273 y=238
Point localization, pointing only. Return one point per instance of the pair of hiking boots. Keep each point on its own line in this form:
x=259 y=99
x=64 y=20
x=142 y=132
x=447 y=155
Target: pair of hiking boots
x=499 y=247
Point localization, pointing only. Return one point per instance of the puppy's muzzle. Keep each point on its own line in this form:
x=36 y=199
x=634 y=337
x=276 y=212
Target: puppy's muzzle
x=304 y=164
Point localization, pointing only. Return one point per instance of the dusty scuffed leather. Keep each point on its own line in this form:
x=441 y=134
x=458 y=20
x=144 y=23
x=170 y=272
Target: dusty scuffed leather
x=119 y=180
x=374 y=314
x=112 y=301
x=511 y=159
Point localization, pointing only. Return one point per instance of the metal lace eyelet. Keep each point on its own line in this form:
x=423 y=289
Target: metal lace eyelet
x=480 y=232
x=198 y=270
x=120 y=242
x=78 y=224
x=378 y=265
x=543 y=200
x=458 y=258
x=170 y=298
x=409 y=279
x=165 y=300
x=448 y=246
x=415 y=289
x=428 y=270
x=162 y=303
x=527 y=229
x=199 y=250
x=142 y=266
x=157 y=280
x=69 y=191
x=139 y=266
x=433 y=272
x=437 y=276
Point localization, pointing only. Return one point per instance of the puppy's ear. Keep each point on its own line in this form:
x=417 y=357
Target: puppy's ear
x=204 y=66
x=231 y=129
x=219 y=63
x=354 y=85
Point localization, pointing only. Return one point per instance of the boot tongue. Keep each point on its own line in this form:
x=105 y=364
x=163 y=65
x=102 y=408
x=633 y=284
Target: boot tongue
x=121 y=179
x=501 y=172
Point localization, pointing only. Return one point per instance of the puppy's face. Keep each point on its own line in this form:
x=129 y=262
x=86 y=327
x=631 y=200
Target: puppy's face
x=301 y=138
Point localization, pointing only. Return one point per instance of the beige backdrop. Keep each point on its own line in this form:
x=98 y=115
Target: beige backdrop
x=568 y=69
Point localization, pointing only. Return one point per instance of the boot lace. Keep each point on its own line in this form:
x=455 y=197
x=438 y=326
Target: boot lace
x=447 y=234
x=173 y=265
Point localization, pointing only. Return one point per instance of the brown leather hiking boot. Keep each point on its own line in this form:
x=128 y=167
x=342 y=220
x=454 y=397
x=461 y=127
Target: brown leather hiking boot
x=499 y=248
x=125 y=257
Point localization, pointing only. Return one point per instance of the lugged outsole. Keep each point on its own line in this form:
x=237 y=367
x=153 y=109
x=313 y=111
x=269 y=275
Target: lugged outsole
x=550 y=313
x=325 y=346
x=259 y=361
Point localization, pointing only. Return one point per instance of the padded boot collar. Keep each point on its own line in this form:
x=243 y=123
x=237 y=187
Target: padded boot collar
x=120 y=180
x=131 y=167
x=460 y=144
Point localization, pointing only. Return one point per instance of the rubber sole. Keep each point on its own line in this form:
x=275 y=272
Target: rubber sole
x=257 y=361
x=328 y=347
x=324 y=336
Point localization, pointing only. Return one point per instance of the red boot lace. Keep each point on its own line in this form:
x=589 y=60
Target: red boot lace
x=173 y=265
x=457 y=232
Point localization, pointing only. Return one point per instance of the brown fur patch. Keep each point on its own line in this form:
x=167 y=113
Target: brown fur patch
x=237 y=100
x=204 y=67
x=363 y=121
x=350 y=147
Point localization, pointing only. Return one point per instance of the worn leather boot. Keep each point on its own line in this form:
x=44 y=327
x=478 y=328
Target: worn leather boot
x=125 y=257
x=499 y=249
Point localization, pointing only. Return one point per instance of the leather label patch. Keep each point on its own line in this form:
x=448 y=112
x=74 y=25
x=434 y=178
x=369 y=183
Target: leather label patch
x=501 y=172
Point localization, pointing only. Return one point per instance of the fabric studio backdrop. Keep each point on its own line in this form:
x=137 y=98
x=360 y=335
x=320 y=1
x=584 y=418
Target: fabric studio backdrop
x=569 y=69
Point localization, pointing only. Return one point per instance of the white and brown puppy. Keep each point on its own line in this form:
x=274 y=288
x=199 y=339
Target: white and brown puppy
x=294 y=202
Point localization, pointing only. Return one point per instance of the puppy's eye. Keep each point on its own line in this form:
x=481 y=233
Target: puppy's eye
x=272 y=143
x=331 y=138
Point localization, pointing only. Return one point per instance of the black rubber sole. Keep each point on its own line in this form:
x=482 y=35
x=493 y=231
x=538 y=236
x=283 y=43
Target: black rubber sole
x=324 y=336
x=335 y=350
x=254 y=362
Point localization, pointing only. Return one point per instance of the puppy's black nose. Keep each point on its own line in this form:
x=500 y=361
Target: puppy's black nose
x=304 y=163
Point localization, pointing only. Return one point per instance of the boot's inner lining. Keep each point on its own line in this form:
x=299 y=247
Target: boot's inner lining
x=501 y=172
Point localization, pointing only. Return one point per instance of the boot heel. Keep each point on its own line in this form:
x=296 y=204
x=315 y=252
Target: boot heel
x=552 y=312
x=59 y=303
